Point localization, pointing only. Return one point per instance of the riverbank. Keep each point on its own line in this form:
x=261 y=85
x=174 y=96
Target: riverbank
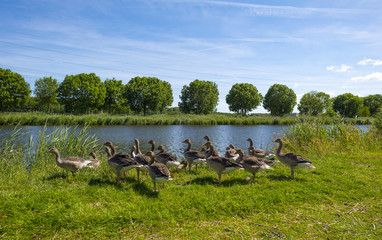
x=341 y=198
x=37 y=118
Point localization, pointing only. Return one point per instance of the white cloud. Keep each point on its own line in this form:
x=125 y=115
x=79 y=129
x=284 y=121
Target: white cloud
x=374 y=62
x=342 y=68
x=374 y=77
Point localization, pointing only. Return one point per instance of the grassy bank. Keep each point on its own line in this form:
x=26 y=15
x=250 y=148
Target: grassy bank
x=165 y=119
x=340 y=199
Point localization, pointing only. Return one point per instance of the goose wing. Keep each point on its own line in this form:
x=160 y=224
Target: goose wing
x=142 y=159
x=160 y=170
x=195 y=154
x=297 y=158
x=225 y=162
x=167 y=156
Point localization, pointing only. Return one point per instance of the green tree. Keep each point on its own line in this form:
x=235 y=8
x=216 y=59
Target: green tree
x=243 y=98
x=45 y=90
x=347 y=105
x=14 y=91
x=166 y=96
x=114 y=95
x=200 y=97
x=279 y=100
x=82 y=93
x=147 y=94
x=314 y=103
x=373 y=102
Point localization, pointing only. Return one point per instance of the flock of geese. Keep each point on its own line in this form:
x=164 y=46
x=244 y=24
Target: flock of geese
x=157 y=164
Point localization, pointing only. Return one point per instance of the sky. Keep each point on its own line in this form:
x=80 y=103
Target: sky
x=319 y=45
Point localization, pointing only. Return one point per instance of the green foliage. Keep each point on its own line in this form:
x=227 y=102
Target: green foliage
x=145 y=94
x=378 y=120
x=279 y=100
x=314 y=103
x=82 y=93
x=373 y=102
x=348 y=105
x=14 y=91
x=45 y=90
x=243 y=98
x=114 y=100
x=200 y=97
x=166 y=96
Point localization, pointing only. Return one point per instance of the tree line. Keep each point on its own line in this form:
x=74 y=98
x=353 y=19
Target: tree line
x=86 y=93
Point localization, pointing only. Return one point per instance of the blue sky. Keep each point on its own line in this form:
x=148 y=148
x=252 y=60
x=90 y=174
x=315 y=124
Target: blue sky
x=323 y=45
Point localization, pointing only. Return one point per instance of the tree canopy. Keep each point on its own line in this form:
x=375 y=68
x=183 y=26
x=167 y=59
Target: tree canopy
x=200 y=97
x=147 y=93
x=279 y=100
x=14 y=90
x=243 y=98
x=373 y=102
x=314 y=103
x=82 y=93
x=45 y=90
x=114 y=100
x=348 y=105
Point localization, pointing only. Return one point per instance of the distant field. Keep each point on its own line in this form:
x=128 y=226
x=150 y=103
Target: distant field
x=340 y=199
x=36 y=118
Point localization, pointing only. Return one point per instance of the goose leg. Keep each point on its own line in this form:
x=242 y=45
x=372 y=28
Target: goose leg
x=189 y=167
x=196 y=166
x=125 y=173
x=163 y=185
x=118 y=173
x=292 y=173
x=220 y=179
x=138 y=174
x=253 y=178
x=155 y=187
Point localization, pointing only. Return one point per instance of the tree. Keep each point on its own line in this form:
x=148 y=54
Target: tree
x=348 y=105
x=279 y=100
x=147 y=93
x=314 y=103
x=14 y=90
x=45 y=90
x=373 y=102
x=200 y=97
x=82 y=93
x=114 y=95
x=243 y=97
x=166 y=96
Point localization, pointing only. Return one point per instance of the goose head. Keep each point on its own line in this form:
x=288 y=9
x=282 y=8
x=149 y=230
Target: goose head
x=92 y=154
x=188 y=141
x=52 y=150
x=207 y=138
x=152 y=142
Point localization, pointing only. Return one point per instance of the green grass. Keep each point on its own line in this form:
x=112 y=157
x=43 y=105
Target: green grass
x=341 y=199
x=39 y=118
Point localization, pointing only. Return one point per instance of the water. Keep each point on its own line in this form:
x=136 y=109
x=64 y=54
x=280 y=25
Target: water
x=171 y=136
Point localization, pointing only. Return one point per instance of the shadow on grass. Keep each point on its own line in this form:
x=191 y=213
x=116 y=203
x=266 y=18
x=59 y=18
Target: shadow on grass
x=214 y=181
x=143 y=190
x=56 y=176
x=285 y=178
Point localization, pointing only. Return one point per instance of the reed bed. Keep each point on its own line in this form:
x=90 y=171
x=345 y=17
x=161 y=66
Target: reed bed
x=165 y=119
x=340 y=199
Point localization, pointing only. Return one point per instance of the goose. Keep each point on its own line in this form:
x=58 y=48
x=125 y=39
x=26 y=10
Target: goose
x=260 y=153
x=215 y=152
x=251 y=164
x=140 y=158
x=120 y=163
x=158 y=172
x=163 y=157
x=220 y=165
x=166 y=158
x=231 y=152
x=112 y=150
x=193 y=156
x=96 y=162
x=72 y=164
x=292 y=160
